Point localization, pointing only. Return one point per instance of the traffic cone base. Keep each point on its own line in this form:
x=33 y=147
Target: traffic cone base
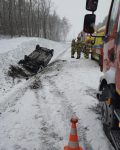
x=69 y=148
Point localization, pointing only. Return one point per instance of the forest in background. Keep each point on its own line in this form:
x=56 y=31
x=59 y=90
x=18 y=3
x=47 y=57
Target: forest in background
x=32 y=18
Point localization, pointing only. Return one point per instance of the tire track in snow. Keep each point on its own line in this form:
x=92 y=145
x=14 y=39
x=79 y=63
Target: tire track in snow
x=11 y=100
x=69 y=112
x=49 y=137
x=66 y=110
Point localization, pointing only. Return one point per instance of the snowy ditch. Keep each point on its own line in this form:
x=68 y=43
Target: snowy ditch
x=15 y=50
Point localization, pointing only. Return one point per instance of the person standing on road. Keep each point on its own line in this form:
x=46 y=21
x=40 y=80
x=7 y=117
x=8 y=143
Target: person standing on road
x=73 y=48
x=78 y=47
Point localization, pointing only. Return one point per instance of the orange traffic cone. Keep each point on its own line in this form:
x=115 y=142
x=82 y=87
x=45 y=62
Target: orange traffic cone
x=73 y=143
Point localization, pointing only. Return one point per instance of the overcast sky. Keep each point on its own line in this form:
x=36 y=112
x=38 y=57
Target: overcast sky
x=74 y=10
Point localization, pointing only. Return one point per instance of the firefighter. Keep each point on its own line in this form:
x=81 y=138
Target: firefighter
x=73 y=48
x=86 y=52
x=88 y=46
x=79 y=47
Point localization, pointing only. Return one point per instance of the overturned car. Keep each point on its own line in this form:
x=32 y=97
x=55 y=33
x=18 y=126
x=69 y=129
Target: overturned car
x=32 y=63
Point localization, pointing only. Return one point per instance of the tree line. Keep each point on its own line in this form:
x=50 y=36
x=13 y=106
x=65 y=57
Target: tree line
x=32 y=18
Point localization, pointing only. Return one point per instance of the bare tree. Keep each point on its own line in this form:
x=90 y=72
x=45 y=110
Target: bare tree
x=32 y=18
x=44 y=11
x=65 y=28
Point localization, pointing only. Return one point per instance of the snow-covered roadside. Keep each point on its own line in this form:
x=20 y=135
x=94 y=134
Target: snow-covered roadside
x=12 y=50
x=12 y=43
x=39 y=119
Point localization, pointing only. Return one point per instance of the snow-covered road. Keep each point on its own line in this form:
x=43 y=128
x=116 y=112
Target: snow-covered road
x=36 y=114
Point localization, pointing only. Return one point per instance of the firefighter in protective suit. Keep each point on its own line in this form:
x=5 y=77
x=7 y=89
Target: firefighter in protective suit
x=87 y=50
x=73 y=48
x=79 y=47
x=88 y=46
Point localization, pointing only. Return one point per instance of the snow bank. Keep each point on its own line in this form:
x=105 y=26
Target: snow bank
x=12 y=50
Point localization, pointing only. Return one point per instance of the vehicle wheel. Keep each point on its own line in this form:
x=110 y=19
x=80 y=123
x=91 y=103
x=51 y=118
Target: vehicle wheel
x=107 y=114
x=108 y=118
x=102 y=91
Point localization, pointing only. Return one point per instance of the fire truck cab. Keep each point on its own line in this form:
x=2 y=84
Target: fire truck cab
x=97 y=48
x=109 y=88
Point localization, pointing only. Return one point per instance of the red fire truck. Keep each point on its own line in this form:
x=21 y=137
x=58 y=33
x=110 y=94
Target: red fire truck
x=109 y=88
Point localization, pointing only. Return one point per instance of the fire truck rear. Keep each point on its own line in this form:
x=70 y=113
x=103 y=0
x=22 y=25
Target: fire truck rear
x=109 y=88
